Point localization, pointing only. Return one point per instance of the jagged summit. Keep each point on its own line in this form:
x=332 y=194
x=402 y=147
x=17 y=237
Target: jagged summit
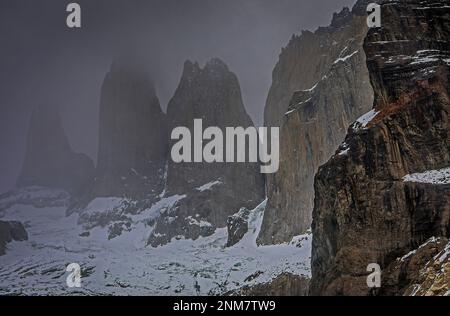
x=190 y=68
x=211 y=191
x=216 y=63
x=341 y=18
x=133 y=134
x=214 y=70
x=49 y=159
x=206 y=93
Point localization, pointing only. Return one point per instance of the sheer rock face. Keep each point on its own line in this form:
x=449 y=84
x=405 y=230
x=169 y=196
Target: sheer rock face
x=49 y=159
x=10 y=231
x=216 y=190
x=331 y=65
x=367 y=209
x=308 y=57
x=133 y=136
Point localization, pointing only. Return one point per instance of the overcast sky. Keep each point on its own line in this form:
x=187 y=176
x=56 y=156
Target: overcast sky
x=41 y=60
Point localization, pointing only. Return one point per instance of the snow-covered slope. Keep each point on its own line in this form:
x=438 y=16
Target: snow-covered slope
x=125 y=265
x=441 y=176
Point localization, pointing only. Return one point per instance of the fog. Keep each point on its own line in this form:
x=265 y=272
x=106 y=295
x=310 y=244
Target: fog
x=43 y=61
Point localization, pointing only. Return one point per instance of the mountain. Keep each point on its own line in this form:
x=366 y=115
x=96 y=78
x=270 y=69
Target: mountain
x=49 y=159
x=383 y=198
x=210 y=191
x=132 y=135
x=320 y=85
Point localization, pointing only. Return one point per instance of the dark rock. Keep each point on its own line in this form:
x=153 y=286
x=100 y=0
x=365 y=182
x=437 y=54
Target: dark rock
x=213 y=191
x=116 y=229
x=423 y=271
x=49 y=160
x=286 y=284
x=429 y=278
x=85 y=234
x=133 y=135
x=365 y=210
x=10 y=231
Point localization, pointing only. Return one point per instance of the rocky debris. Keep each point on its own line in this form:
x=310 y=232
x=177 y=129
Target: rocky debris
x=286 y=284
x=10 y=231
x=215 y=190
x=424 y=271
x=434 y=278
x=179 y=227
x=49 y=159
x=133 y=135
x=321 y=84
x=237 y=226
x=116 y=215
x=116 y=229
x=369 y=208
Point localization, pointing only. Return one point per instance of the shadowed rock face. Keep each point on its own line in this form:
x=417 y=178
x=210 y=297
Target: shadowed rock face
x=216 y=190
x=10 y=231
x=237 y=226
x=212 y=94
x=321 y=84
x=49 y=159
x=133 y=135
x=375 y=200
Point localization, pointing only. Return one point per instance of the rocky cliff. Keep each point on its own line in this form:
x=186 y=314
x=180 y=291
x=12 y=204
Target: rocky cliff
x=386 y=190
x=320 y=85
x=49 y=159
x=425 y=271
x=132 y=135
x=211 y=191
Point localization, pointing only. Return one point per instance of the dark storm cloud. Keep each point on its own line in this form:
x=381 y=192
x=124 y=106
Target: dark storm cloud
x=42 y=61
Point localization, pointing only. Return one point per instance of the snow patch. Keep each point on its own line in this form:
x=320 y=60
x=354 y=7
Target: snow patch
x=441 y=176
x=409 y=254
x=208 y=185
x=344 y=152
x=364 y=120
x=125 y=266
x=343 y=59
x=201 y=223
